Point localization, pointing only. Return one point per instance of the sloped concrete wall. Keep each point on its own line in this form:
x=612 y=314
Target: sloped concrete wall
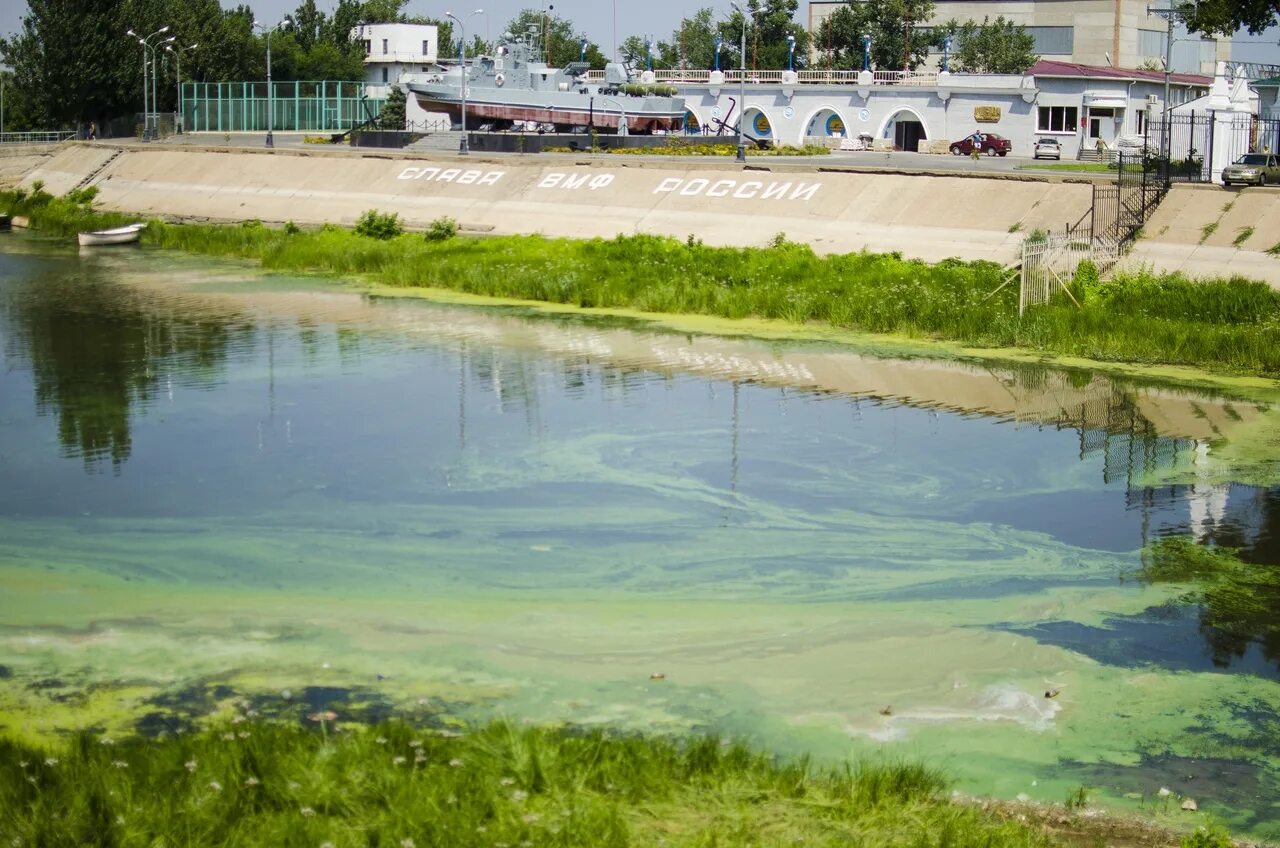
x=1211 y=231
x=925 y=216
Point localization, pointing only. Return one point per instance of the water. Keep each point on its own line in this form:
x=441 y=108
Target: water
x=214 y=483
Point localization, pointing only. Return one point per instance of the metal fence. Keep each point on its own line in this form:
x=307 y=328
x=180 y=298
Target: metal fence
x=300 y=106
x=49 y=137
x=1180 y=149
x=1116 y=214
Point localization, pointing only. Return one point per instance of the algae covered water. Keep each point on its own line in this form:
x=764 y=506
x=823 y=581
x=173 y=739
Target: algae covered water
x=218 y=485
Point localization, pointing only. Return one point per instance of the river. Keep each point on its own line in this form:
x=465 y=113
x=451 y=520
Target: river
x=216 y=483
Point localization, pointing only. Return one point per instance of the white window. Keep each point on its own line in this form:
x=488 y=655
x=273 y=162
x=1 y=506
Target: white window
x=1140 y=121
x=384 y=74
x=1058 y=119
x=368 y=47
x=384 y=45
x=426 y=50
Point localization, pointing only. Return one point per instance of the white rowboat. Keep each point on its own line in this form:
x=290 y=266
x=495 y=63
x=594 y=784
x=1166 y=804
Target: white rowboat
x=120 y=235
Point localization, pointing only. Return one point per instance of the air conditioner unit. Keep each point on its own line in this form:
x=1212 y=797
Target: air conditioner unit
x=1152 y=99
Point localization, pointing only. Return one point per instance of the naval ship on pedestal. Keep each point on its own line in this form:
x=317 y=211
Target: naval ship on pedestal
x=514 y=86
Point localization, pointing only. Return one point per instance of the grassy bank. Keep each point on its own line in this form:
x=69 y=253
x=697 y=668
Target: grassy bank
x=1227 y=325
x=255 y=783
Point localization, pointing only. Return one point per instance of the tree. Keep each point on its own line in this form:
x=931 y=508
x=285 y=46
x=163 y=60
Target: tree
x=308 y=23
x=556 y=37
x=1225 y=17
x=894 y=29
x=999 y=47
x=772 y=21
x=392 y=115
x=72 y=62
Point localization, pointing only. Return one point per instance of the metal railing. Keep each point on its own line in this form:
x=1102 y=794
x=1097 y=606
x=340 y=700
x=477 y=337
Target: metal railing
x=734 y=77
x=41 y=137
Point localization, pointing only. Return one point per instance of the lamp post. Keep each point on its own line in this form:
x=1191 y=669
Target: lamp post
x=866 y=52
x=742 y=84
x=4 y=71
x=177 y=57
x=155 y=76
x=719 y=44
x=146 y=101
x=462 y=76
x=946 y=53
x=1167 y=14
x=791 y=51
x=271 y=94
x=622 y=115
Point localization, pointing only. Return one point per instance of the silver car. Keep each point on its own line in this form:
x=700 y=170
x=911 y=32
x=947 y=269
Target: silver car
x=1047 y=148
x=1255 y=168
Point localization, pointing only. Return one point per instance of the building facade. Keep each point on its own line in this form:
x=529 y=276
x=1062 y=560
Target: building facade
x=395 y=51
x=1114 y=33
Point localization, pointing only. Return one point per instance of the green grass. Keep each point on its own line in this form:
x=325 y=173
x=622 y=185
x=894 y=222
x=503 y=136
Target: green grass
x=254 y=783
x=1208 y=230
x=1242 y=236
x=1226 y=325
x=1087 y=167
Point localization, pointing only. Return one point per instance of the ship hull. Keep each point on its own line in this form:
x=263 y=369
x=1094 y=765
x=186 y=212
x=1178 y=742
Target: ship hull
x=483 y=108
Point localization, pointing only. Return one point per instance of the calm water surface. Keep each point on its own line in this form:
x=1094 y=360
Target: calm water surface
x=214 y=483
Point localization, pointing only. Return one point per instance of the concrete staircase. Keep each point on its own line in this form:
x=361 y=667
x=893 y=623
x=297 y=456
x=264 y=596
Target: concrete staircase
x=437 y=142
x=98 y=170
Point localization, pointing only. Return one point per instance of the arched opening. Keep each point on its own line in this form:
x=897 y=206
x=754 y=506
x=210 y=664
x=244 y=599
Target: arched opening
x=692 y=125
x=826 y=123
x=906 y=129
x=758 y=125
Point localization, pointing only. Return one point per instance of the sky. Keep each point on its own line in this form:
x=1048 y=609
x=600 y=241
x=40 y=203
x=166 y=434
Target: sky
x=598 y=18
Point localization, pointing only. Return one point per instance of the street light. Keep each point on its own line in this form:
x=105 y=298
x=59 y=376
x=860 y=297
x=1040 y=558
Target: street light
x=866 y=52
x=271 y=95
x=622 y=115
x=791 y=51
x=742 y=101
x=155 y=90
x=462 y=76
x=177 y=57
x=946 y=53
x=146 y=101
x=4 y=69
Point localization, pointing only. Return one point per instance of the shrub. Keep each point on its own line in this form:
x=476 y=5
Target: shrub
x=291 y=229
x=442 y=229
x=375 y=224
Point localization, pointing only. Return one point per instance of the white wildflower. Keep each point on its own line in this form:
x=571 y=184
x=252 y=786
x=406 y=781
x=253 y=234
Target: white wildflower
x=215 y=786
x=482 y=829
x=119 y=819
x=381 y=740
x=519 y=795
x=252 y=781
x=407 y=843
x=456 y=763
x=51 y=762
x=530 y=818
x=244 y=734
x=294 y=786
x=120 y=764
x=398 y=761
x=191 y=765
x=228 y=737
x=419 y=758
x=23 y=764
x=417 y=743
x=307 y=812
x=238 y=720
x=106 y=740
x=506 y=781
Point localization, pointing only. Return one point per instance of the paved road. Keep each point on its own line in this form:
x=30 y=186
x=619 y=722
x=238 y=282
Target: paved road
x=895 y=161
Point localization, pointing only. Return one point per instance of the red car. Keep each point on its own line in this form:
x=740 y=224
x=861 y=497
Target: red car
x=989 y=143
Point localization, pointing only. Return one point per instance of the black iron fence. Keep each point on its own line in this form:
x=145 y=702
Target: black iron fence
x=1181 y=149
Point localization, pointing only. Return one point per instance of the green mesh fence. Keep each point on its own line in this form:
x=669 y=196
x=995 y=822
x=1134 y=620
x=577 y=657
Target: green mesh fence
x=300 y=106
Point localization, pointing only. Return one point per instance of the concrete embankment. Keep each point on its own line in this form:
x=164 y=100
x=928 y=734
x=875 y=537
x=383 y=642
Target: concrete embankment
x=18 y=160
x=1211 y=231
x=926 y=216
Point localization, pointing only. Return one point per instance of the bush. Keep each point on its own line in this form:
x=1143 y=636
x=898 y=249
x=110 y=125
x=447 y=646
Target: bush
x=442 y=229
x=375 y=224
x=291 y=229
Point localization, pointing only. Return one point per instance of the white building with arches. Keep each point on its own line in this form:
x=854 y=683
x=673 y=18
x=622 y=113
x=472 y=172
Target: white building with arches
x=1084 y=107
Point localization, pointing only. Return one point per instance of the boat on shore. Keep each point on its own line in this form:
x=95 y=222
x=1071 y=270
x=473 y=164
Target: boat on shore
x=120 y=235
x=514 y=86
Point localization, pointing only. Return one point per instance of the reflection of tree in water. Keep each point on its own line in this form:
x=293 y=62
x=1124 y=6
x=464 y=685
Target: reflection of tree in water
x=1237 y=599
x=96 y=350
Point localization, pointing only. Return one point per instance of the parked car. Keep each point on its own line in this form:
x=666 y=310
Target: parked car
x=1047 y=148
x=989 y=143
x=1256 y=168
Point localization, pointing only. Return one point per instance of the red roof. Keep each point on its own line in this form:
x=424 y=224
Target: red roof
x=1050 y=68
